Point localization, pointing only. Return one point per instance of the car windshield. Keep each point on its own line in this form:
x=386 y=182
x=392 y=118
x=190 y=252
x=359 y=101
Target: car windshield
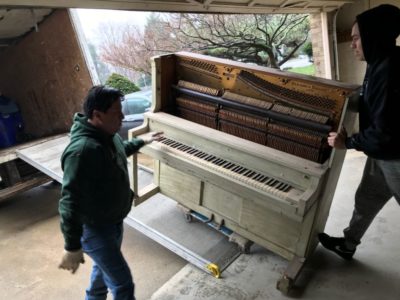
x=133 y=106
x=136 y=103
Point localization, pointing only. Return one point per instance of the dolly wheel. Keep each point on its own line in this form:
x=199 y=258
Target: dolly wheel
x=285 y=284
x=188 y=218
x=245 y=248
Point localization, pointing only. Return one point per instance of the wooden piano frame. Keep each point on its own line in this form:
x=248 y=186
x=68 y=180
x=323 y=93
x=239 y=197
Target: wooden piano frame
x=285 y=226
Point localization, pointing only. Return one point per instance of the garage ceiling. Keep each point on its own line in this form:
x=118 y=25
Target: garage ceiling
x=15 y=23
x=225 y=6
x=17 y=17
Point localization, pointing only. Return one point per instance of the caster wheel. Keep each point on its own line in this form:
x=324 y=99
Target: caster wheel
x=285 y=284
x=245 y=249
x=188 y=218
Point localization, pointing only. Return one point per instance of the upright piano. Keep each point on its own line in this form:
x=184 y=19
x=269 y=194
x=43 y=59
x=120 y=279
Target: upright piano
x=246 y=146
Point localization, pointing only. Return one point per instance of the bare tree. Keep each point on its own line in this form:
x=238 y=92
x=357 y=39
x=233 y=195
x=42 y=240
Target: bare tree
x=268 y=40
x=131 y=47
x=124 y=47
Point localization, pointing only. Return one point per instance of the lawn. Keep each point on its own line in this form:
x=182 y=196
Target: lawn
x=308 y=70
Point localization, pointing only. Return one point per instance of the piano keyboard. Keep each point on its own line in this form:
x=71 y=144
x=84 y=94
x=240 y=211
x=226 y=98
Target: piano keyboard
x=233 y=170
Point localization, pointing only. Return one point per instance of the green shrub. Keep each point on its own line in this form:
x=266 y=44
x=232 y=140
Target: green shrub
x=122 y=83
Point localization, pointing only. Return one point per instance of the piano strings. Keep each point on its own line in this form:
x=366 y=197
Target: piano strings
x=276 y=124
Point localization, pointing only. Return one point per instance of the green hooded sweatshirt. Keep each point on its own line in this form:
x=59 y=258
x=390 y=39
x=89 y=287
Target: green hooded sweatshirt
x=95 y=189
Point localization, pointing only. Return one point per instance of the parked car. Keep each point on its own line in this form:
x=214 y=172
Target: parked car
x=133 y=107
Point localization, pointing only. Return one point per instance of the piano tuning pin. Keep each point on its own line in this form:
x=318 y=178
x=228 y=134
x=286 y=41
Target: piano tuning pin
x=285 y=80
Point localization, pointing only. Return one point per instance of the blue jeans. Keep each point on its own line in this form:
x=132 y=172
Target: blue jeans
x=110 y=270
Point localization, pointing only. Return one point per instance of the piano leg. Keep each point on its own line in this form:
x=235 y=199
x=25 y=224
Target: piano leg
x=243 y=243
x=286 y=282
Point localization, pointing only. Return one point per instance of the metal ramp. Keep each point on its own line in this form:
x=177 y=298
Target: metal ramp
x=158 y=217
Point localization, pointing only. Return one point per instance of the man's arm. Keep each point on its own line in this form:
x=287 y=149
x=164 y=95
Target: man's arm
x=135 y=144
x=70 y=224
x=381 y=111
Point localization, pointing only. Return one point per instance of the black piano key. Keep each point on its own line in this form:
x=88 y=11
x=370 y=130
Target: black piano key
x=223 y=161
x=274 y=182
x=185 y=148
x=254 y=175
x=192 y=151
x=216 y=161
x=203 y=155
x=229 y=166
x=167 y=142
x=270 y=181
x=283 y=187
x=232 y=167
x=251 y=174
x=239 y=169
x=244 y=170
x=175 y=145
x=248 y=172
x=226 y=164
x=198 y=153
x=235 y=169
x=259 y=177
x=181 y=147
x=209 y=158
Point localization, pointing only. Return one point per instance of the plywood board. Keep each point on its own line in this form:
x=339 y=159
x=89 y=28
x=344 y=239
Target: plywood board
x=46 y=156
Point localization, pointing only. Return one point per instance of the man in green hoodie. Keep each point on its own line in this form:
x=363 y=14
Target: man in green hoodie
x=96 y=195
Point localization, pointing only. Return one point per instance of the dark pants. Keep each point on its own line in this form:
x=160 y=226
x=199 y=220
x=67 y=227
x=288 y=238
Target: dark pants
x=110 y=270
x=380 y=182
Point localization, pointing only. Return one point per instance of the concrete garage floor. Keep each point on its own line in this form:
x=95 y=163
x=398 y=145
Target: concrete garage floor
x=31 y=246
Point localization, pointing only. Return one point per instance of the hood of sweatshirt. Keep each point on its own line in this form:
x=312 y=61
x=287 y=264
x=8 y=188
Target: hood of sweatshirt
x=379 y=27
x=82 y=128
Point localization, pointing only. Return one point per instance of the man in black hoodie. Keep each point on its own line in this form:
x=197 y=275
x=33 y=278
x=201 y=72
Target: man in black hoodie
x=373 y=40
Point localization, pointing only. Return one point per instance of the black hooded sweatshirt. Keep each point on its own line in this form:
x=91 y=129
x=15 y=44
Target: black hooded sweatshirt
x=379 y=105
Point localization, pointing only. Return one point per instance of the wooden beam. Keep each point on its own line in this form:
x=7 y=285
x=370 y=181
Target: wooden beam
x=243 y=6
x=23 y=186
x=194 y=2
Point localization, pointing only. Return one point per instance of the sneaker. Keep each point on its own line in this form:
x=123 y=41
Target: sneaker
x=336 y=245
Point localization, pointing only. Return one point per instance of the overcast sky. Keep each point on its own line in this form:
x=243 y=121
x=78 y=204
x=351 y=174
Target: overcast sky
x=91 y=19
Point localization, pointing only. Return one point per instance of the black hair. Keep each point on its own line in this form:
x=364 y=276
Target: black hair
x=101 y=98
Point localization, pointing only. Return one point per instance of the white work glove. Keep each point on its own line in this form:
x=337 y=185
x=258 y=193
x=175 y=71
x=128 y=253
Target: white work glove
x=71 y=260
x=151 y=136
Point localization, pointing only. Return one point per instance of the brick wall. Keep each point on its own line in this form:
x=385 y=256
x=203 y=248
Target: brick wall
x=317 y=44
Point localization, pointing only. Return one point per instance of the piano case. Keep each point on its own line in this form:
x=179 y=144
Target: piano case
x=246 y=147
